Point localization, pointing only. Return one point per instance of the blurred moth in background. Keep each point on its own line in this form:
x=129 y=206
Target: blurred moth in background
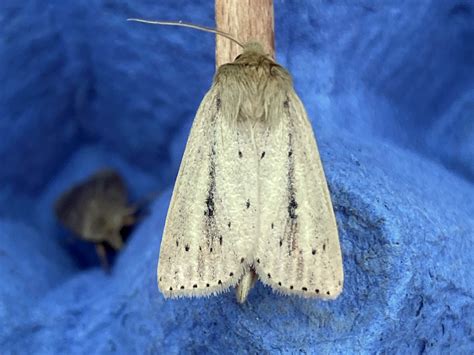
x=251 y=199
x=97 y=210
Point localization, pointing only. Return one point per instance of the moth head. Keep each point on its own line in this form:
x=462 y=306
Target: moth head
x=252 y=52
x=254 y=47
x=106 y=226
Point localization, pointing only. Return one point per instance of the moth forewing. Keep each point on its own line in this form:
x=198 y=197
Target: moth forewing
x=201 y=251
x=298 y=252
x=251 y=193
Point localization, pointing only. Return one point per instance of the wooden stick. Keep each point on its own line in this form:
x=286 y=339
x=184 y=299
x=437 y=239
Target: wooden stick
x=247 y=20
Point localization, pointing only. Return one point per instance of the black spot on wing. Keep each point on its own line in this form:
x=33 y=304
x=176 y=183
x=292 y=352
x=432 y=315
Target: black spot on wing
x=210 y=204
x=292 y=206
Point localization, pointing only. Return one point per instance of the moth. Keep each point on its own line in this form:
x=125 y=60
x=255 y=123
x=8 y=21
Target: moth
x=251 y=199
x=96 y=210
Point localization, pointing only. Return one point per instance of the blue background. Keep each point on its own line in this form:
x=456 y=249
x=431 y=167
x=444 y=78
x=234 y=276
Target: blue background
x=389 y=86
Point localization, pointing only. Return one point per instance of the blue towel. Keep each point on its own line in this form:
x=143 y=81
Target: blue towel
x=389 y=87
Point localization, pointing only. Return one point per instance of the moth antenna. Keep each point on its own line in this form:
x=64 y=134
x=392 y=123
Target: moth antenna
x=190 y=25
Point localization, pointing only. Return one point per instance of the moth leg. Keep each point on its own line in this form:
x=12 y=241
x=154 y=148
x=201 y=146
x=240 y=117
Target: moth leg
x=115 y=240
x=102 y=254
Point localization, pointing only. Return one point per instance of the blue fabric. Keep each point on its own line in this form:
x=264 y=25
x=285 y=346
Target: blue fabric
x=389 y=86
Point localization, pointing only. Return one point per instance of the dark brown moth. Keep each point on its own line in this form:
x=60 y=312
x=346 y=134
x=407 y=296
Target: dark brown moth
x=96 y=210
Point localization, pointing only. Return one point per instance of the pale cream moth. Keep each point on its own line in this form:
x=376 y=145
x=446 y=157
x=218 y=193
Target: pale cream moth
x=251 y=199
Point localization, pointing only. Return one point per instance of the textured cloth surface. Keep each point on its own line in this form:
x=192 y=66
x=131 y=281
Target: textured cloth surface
x=389 y=87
